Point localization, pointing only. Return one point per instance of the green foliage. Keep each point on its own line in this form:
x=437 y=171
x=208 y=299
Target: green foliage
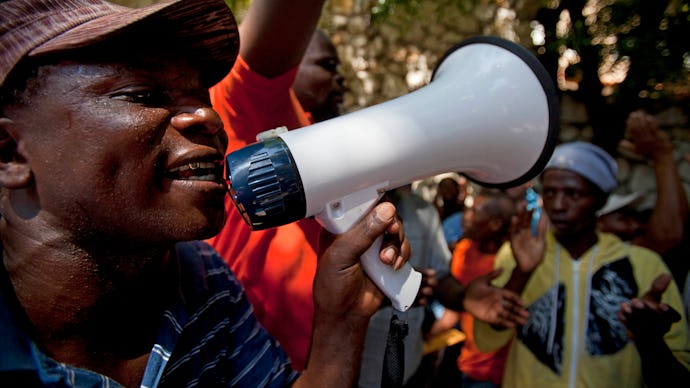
x=646 y=38
x=655 y=41
x=650 y=35
x=383 y=9
x=642 y=43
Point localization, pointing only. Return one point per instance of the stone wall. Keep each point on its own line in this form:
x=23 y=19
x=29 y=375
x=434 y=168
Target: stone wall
x=391 y=58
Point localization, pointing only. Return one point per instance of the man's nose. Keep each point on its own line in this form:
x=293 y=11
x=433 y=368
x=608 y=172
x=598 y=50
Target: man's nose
x=202 y=119
x=339 y=80
x=558 y=201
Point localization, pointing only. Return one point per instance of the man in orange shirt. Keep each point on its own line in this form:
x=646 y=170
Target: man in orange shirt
x=275 y=266
x=485 y=228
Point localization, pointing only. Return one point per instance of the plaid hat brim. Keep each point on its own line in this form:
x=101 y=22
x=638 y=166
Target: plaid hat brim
x=40 y=27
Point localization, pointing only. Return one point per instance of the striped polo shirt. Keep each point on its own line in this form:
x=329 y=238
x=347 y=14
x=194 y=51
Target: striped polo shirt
x=208 y=337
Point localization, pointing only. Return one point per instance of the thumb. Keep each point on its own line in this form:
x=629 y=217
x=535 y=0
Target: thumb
x=364 y=232
x=658 y=287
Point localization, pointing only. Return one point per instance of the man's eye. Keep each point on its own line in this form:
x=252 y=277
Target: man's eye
x=329 y=65
x=573 y=194
x=144 y=97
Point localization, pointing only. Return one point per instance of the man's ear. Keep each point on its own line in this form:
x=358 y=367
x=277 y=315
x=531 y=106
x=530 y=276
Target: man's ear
x=15 y=172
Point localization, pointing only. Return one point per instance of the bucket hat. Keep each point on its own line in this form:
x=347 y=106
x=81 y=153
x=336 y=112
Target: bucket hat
x=32 y=28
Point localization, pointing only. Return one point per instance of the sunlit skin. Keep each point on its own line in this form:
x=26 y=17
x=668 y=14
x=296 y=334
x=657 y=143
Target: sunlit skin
x=160 y=115
x=487 y=220
x=475 y=219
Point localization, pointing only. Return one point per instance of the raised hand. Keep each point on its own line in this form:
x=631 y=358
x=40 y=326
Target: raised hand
x=646 y=317
x=494 y=305
x=648 y=320
x=645 y=137
x=528 y=248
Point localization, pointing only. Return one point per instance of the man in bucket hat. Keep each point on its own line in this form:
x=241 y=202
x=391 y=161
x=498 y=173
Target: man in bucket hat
x=111 y=170
x=602 y=312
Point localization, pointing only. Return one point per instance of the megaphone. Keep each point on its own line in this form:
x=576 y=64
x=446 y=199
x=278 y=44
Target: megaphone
x=489 y=112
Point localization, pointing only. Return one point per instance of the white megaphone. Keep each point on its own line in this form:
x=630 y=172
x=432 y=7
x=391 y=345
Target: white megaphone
x=490 y=112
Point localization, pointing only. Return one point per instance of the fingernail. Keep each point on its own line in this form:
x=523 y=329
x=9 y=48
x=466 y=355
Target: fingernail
x=389 y=255
x=398 y=263
x=385 y=213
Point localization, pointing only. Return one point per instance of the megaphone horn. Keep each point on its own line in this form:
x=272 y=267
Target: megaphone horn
x=489 y=112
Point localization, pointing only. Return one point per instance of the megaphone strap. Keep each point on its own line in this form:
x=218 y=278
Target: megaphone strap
x=394 y=357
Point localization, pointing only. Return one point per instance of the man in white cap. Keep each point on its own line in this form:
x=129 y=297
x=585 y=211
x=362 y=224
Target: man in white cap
x=592 y=321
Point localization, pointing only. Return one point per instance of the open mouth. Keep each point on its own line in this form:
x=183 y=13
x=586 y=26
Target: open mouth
x=197 y=171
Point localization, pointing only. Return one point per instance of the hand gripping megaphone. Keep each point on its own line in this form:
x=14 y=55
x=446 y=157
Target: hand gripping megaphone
x=489 y=112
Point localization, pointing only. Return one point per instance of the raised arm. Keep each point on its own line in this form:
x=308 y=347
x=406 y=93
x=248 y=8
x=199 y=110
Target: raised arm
x=256 y=96
x=666 y=224
x=274 y=34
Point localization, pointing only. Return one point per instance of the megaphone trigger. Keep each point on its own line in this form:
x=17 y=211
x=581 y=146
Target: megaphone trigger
x=340 y=214
x=400 y=286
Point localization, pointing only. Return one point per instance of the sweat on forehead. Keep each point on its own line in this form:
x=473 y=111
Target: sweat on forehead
x=34 y=28
x=588 y=161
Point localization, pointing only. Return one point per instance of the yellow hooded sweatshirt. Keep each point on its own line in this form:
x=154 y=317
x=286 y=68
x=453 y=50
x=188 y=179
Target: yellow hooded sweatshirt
x=573 y=337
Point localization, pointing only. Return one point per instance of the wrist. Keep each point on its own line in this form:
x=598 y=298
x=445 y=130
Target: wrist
x=665 y=156
x=349 y=324
x=518 y=280
x=522 y=274
x=648 y=346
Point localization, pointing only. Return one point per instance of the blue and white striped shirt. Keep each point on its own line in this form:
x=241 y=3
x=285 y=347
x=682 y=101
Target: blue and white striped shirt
x=209 y=337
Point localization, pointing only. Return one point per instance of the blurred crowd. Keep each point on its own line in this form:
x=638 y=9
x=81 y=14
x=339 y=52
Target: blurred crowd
x=655 y=224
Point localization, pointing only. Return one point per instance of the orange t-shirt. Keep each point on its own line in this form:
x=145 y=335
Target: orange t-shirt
x=276 y=266
x=467 y=264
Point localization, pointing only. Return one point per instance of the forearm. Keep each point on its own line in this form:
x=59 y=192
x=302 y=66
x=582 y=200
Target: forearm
x=667 y=221
x=274 y=34
x=517 y=281
x=450 y=293
x=335 y=355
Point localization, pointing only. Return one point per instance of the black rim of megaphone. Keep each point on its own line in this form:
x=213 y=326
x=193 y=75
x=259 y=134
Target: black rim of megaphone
x=551 y=97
